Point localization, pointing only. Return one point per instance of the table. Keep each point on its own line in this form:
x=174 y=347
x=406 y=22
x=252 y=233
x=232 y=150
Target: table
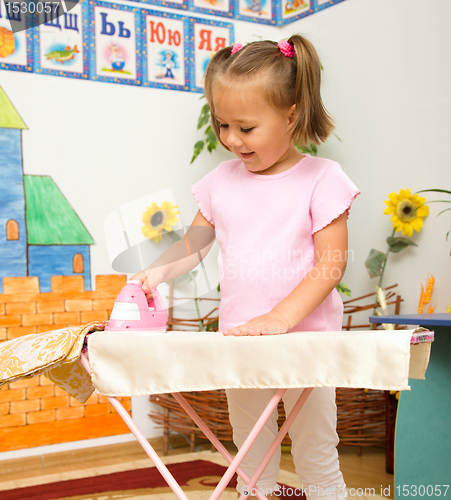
x=423 y=424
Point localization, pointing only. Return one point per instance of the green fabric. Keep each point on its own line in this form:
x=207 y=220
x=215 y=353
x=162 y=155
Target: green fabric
x=50 y=218
x=9 y=117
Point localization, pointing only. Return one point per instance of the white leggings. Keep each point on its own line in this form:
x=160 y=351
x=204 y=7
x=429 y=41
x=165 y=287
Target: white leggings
x=313 y=435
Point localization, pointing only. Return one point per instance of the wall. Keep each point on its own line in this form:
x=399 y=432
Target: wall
x=34 y=412
x=386 y=81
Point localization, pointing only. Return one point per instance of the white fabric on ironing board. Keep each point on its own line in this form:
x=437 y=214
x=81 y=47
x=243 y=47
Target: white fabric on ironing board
x=137 y=363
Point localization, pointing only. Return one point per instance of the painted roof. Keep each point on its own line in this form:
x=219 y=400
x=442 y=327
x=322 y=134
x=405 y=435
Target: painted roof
x=9 y=117
x=50 y=218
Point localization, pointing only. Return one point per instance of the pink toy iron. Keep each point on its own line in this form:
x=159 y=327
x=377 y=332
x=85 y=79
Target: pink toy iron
x=132 y=312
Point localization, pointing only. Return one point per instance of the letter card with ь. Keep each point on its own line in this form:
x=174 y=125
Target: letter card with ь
x=16 y=44
x=165 y=45
x=115 y=43
x=222 y=8
x=206 y=38
x=61 y=41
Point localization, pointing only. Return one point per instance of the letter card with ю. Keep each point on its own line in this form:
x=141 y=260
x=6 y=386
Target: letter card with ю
x=115 y=43
x=16 y=48
x=165 y=46
x=61 y=41
x=206 y=38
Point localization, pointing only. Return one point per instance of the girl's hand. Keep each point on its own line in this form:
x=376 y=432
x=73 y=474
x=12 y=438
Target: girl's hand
x=267 y=324
x=149 y=279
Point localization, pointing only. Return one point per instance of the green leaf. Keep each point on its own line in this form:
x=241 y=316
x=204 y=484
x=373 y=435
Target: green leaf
x=342 y=288
x=212 y=140
x=185 y=278
x=209 y=132
x=311 y=150
x=213 y=327
x=374 y=263
x=203 y=120
x=446 y=210
x=398 y=244
x=434 y=191
x=198 y=147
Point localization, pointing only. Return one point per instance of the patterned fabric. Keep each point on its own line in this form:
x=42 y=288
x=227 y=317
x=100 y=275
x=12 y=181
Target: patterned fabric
x=54 y=354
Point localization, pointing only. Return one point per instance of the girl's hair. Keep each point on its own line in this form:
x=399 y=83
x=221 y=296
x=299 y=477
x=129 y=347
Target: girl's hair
x=284 y=80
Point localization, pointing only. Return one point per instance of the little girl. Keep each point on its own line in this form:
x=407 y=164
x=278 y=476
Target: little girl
x=280 y=218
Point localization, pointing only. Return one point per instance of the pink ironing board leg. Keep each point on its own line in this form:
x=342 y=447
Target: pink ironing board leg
x=234 y=462
x=168 y=477
x=264 y=417
x=281 y=434
x=211 y=437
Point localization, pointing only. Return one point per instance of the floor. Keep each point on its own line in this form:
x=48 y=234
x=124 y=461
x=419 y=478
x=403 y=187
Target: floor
x=365 y=473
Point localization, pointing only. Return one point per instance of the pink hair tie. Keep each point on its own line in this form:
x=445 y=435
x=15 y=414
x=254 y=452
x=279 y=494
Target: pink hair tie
x=286 y=48
x=236 y=47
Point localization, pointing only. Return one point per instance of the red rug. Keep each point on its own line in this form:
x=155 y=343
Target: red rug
x=206 y=473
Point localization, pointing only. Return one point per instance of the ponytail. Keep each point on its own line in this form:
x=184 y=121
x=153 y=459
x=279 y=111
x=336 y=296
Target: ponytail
x=313 y=123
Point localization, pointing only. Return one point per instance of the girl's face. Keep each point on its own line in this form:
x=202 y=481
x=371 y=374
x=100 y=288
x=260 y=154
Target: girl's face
x=256 y=131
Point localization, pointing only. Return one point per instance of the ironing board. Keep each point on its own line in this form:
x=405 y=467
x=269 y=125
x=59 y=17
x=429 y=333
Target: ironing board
x=135 y=363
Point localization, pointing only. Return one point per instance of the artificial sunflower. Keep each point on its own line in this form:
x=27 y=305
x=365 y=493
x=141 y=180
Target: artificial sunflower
x=158 y=219
x=407 y=210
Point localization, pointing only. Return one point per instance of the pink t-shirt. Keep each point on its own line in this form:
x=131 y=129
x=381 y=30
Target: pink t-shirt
x=264 y=226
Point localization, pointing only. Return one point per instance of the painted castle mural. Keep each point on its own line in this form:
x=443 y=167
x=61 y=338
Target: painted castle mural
x=40 y=233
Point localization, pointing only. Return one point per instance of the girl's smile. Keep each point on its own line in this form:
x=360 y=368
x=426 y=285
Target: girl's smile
x=256 y=131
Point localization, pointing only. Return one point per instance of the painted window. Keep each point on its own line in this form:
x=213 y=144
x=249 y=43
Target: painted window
x=78 y=263
x=12 y=230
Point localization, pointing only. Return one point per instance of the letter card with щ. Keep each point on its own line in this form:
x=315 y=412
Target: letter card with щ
x=115 y=43
x=61 y=41
x=16 y=48
x=206 y=38
x=165 y=45
x=222 y=8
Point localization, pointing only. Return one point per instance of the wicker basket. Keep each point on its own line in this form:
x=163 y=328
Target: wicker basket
x=362 y=414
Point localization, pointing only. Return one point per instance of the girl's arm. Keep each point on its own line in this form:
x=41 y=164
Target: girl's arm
x=182 y=256
x=331 y=244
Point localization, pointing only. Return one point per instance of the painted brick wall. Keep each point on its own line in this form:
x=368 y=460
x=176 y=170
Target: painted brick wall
x=34 y=412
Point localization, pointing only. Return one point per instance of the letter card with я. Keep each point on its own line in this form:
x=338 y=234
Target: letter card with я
x=206 y=38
